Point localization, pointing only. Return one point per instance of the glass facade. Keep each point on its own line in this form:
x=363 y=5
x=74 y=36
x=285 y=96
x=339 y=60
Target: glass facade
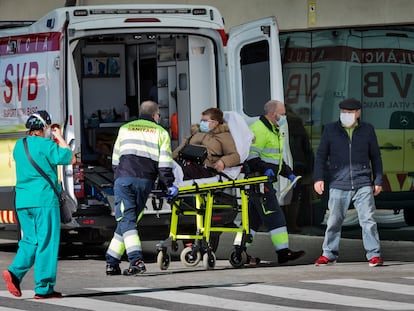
x=376 y=66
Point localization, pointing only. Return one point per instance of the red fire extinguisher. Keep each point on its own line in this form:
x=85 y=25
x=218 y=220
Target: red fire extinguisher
x=174 y=126
x=78 y=179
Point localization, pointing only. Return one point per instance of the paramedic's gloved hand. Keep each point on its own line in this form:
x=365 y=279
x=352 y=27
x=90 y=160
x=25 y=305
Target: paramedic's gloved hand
x=172 y=192
x=292 y=177
x=269 y=173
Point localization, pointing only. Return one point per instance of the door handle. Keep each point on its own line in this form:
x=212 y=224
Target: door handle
x=390 y=147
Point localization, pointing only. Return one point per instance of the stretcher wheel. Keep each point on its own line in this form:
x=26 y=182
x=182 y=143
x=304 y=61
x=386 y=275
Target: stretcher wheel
x=163 y=260
x=209 y=261
x=188 y=259
x=238 y=259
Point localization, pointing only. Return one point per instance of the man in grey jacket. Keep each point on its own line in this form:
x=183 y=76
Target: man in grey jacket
x=350 y=149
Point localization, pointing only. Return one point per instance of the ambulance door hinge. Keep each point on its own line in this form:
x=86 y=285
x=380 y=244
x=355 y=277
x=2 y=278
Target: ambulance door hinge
x=71 y=32
x=265 y=30
x=57 y=62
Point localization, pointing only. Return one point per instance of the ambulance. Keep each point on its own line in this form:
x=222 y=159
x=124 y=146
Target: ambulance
x=374 y=64
x=91 y=66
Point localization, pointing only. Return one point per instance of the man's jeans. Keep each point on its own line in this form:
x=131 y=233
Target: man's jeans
x=339 y=202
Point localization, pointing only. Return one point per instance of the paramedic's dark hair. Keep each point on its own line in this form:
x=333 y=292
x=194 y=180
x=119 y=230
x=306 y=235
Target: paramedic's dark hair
x=215 y=114
x=38 y=120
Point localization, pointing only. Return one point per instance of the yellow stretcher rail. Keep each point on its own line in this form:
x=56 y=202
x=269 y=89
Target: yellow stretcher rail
x=238 y=183
x=203 y=212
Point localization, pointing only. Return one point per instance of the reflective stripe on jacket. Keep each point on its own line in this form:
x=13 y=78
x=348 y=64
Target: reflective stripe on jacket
x=267 y=149
x=267 y=144
x=143 y=149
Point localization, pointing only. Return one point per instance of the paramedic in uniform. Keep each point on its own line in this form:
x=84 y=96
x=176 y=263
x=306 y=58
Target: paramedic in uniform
x=265 y=158
x=142 y=152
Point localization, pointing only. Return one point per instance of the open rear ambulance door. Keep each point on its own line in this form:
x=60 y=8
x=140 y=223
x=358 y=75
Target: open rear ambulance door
x=255 y=75
x=254 y=65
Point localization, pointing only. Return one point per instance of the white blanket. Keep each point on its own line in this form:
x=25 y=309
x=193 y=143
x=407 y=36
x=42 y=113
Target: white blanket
x=242 y=137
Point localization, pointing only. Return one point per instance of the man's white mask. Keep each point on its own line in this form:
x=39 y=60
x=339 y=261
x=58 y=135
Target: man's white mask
x=347 y=118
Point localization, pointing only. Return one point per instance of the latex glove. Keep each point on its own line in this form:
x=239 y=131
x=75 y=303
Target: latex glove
x=292 y=178
x=269 y=172
x=172 y=192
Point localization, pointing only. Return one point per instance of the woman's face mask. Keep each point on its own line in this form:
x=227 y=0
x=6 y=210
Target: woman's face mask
x=347 y=118
x=204 y=127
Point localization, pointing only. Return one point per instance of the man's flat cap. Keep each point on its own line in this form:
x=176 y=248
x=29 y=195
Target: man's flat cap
x=350 y=104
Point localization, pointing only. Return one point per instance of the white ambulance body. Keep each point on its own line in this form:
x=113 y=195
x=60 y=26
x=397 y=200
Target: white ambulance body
x=91 y=66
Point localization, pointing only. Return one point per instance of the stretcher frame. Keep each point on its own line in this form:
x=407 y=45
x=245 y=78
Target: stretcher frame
x=203 y=212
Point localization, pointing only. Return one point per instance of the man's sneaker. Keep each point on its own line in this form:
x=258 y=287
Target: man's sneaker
x=136 y=268
x=48 y=296
x=376 y=261
x=12 y=283
x=324 y=261
x=113 y=270
x=285 y=255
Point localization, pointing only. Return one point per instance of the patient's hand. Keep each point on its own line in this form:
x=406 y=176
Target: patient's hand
x=219 y=166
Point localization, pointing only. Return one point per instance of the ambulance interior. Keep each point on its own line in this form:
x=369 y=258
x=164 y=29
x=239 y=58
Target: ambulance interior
x=117 y=72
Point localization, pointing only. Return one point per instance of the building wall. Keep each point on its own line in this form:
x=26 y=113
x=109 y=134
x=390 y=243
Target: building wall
x=291 y=14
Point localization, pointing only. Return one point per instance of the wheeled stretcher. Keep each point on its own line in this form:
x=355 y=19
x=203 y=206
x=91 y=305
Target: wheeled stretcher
x=201 y=250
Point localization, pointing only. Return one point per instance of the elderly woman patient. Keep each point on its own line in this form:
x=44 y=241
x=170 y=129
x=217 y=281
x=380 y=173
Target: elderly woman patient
x=214 y=134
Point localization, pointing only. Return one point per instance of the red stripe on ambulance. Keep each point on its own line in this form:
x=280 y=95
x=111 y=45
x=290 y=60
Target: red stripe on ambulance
x=30 y=43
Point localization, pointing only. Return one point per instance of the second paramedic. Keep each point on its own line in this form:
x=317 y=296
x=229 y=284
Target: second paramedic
x=265 y=158
x=142 y=152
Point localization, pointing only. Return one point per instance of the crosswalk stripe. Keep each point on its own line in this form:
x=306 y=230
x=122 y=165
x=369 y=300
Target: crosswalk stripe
x=79 y=302
x=182 y=296
x=322 y=297
x=96 y=305
x=26 y=294
x=200 y=300
x=375 y=285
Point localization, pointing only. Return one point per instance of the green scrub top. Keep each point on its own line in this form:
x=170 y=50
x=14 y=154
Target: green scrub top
x=32 y=189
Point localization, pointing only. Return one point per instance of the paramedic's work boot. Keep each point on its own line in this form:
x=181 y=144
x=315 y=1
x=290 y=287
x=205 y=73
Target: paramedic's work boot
x=113 y=270
x=136 y=268
x=12 y=283
x=285 y=255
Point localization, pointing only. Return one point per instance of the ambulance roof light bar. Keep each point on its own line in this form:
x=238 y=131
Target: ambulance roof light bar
x=85 y=12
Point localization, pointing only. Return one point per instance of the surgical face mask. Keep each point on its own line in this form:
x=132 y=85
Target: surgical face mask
x=282 y=120
x=204 y=127
x=347 y=118
x=48 y=132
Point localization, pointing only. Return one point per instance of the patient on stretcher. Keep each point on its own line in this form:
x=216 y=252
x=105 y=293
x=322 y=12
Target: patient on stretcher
x=227 y=139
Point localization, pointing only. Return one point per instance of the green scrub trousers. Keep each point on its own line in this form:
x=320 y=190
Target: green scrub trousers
x=40 y=240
